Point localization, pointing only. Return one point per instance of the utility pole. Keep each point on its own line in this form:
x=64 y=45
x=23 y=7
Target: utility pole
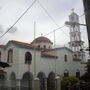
x=86 y=4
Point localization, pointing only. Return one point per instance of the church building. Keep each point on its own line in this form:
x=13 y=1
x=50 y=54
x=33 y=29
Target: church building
x=39 y=59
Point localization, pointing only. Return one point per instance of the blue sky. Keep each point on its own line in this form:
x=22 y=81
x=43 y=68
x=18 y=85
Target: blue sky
x=59 y=10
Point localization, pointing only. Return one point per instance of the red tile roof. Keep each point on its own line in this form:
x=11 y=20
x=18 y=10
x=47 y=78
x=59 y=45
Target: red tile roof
x=49 y=55
x=22 y=44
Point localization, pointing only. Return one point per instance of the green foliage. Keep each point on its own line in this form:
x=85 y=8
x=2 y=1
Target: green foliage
x=86 y=76
x=66 y=80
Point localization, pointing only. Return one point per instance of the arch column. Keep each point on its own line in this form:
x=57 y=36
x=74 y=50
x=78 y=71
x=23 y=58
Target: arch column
x=57 y=83
x=36 y=84
x=18 y=84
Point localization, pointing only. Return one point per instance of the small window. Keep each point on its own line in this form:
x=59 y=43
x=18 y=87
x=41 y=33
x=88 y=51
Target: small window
x=0 y=56
x=65 y=58
x=49 y=47
x=75 y=55
x=10 y=56
x=44 y=46
x=78 y=73
x=66 y=73
x=28 y=58
x=38 y=46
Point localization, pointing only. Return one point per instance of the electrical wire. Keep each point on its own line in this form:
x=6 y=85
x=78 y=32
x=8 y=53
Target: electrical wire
x=18 y=18
x=50 y=17
x=54 y=30
x=60 y=27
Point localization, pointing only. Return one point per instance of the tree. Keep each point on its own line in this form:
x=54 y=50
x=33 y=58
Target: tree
x=68 y=80
x=86 y=76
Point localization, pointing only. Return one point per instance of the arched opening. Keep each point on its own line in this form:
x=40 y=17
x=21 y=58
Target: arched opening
x=42 y=77
x=51 y=81
x=27 y=81
x=2 y=81
x=28 y=58
x=13 y=81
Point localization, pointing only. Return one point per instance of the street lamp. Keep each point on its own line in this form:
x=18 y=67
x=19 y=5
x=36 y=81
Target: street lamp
x=74 y=23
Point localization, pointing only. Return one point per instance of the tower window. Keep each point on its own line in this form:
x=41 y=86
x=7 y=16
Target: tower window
x=75 y=55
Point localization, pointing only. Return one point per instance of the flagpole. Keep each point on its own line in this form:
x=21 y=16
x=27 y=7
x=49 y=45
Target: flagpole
x=34 y=50
x=54 y=51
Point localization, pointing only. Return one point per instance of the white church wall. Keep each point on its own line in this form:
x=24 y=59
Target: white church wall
x=62 y=65
x=15 y=64
x=42 y=64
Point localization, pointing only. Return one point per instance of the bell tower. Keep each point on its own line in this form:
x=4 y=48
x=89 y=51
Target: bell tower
x=75 y=36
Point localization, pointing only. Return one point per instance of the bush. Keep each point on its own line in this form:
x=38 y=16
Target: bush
x=66 y=80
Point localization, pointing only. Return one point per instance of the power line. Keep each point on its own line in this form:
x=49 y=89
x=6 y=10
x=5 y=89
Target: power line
x=54 y=30
x=19 y=18
x=61 y=26
x=50 y=16
x=47 y=13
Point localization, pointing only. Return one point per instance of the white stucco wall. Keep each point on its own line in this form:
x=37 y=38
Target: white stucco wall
x=43 y=64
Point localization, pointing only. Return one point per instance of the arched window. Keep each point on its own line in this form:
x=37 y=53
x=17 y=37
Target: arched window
x=13 y=81
x=51 y=81
x=27 y=81
x=0 y=56
x=28 y=58
x=10 y=56
x=65 y=58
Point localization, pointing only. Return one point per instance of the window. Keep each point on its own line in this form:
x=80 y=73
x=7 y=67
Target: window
x=10 y=56
x=0 y=56
x=44 y=46
x=66 y=73
x=38 y=46
x=28 y=58
x=75 y=55
x=65 y=58
x=78 y=73
x=49 y=47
